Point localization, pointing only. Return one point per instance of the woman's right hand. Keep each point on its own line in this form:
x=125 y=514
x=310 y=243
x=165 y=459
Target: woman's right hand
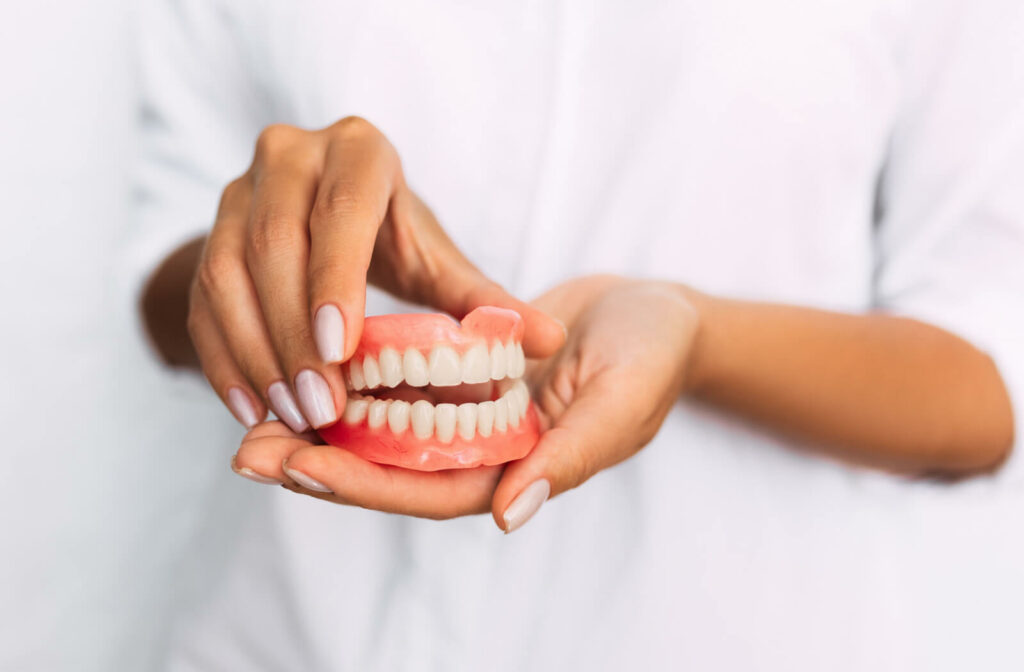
x=279 y=294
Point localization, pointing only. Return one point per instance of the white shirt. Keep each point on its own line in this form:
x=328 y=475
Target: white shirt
x=850 y=154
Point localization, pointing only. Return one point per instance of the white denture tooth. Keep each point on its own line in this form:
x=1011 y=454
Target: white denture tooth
x=485 y=418
x=524 y=397
x=355 y=411
x=445 y=368
x=515 y=415
x=444 y=422
x=398 y=416
x=422 y=419
x=465 y=419
x=371 y=372
x=377 y=414
x=415 y=365
x=499 y=363
x=501 y=414
x=476 y=365
x=520 y=361
x=511 y=366
x=390 y=367
x=355 y=374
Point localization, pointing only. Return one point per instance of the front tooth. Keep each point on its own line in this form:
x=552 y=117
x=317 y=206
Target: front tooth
x=377 y=414
x=520 y=361
x=465 y=416
x=422 y=418
x=514 y=410
x=390 y=367
x=371 y=372
x=499 y=363
x=511 y=365
x=444 y=422
x=398 y=416
x=445 y=369
x=485 y=418
x=501 y=414
x=415 y=364
x=355 y=411
x=476 y=365
x=355 y=374
x=524 y=397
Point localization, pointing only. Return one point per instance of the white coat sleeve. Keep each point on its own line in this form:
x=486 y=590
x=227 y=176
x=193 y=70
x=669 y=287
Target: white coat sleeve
x=202 y=105
x=950 y=234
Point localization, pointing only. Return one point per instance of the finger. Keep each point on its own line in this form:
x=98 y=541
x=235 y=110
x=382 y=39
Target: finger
x=360 y=174
x=219 y=366
x=597 y=431
x=276 y=255
x=264 y=449
x=543 y=335
x=226 y=288
x=425 y=494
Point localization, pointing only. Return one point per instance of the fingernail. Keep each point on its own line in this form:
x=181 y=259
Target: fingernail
x=305 y=481
x=329 y=332
x=244 y=411
x=315 y=398
x=252 y=475
x=284 y=405
x=565 y=329
x=526 y=504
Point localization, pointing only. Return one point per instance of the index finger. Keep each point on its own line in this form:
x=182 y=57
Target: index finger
x=360 y=175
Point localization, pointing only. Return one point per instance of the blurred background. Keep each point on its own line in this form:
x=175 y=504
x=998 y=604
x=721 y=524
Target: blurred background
x=97 y=529
x=94 y=523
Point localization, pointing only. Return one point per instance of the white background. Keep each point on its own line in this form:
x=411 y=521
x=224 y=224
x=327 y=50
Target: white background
x=93 y=522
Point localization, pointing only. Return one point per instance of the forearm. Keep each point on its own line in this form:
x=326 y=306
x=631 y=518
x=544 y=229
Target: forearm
x=164 y=305
x=879 y=390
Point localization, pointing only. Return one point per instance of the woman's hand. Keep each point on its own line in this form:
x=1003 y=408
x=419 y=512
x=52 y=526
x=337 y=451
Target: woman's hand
x=601 y=399
x=279 y=292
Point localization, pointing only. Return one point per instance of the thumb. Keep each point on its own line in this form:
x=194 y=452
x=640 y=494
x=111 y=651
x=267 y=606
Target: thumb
x=594 y=432
x=543 y=335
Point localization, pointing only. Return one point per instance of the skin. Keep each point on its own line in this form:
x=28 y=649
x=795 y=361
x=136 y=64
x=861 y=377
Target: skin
x=876 y=390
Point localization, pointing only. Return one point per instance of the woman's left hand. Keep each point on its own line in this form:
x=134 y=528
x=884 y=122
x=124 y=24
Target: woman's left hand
x=601 y=399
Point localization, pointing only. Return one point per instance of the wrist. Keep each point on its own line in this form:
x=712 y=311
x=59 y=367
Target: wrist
x=696 y=364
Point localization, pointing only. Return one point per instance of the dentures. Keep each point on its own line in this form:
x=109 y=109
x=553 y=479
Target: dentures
x=426 y=392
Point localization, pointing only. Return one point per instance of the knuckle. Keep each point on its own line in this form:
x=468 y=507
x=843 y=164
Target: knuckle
x=218 y=272
x=274 y=139
x=353 y=127
x=272 y=231
x=340 y=199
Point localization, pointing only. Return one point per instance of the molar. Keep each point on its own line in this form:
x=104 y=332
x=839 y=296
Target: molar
x=476 y=365
x=390 y=367
x=466 y=416
x=422 y=419
x=444 y=422
x=415 y=366
x=355 y=374
x=445 y=369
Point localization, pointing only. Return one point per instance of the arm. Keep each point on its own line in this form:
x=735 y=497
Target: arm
x=875 y=389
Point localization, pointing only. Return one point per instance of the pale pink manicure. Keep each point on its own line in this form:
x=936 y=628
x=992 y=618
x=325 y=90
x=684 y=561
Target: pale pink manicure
x=305 y=481
x=252 y=475
x=241 y=406
x=526 y=504
x=329 y=333
x=315 y=398
x=284 y=405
